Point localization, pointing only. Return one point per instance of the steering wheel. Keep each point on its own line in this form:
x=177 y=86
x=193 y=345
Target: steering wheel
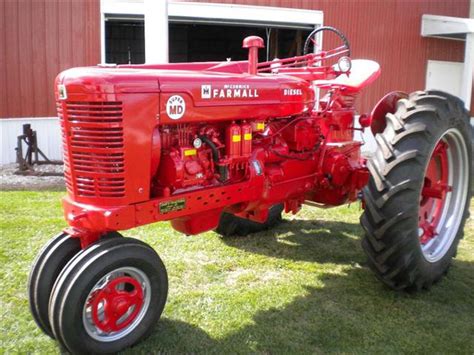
x=309 y=39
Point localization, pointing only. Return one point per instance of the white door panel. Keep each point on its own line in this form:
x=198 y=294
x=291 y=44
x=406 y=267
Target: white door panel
x=445 y=76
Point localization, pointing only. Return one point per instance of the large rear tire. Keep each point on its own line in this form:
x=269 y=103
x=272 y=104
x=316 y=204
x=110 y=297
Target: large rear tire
x=417 y=199
x=231 y=225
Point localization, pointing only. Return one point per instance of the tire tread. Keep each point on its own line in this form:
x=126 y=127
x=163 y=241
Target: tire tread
x=390 y=218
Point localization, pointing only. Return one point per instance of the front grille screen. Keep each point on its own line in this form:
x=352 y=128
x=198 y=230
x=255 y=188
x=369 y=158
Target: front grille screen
x=93 y=148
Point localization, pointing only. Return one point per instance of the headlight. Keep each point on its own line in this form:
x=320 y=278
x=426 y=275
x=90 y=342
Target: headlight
x=344 y=64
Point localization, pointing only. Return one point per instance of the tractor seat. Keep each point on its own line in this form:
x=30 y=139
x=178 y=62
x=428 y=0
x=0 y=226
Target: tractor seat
x=363 y=72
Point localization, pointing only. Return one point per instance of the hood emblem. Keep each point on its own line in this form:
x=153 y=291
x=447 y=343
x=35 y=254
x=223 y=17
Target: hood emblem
x=62 y=93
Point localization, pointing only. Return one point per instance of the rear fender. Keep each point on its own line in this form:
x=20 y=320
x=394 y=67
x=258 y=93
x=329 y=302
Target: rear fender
x=388 y=104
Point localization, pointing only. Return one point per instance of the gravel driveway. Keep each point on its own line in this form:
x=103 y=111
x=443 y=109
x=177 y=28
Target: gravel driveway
x=10 y=181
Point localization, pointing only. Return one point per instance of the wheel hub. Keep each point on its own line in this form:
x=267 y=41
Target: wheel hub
x=116 y=304
x=434 y=192
x=120 y=307
x=443 y=195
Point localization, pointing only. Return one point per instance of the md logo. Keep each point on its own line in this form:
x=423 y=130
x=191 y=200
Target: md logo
x=175 y=107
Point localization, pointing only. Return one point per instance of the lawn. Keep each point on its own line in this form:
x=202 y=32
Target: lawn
x=300 y=288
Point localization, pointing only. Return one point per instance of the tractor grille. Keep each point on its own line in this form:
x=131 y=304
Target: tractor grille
x=93 y=148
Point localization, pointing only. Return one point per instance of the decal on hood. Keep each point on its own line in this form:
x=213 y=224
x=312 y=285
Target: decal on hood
x=228 y=91
x=175 y=107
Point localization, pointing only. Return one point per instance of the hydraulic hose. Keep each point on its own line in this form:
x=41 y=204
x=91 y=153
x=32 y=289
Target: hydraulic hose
x=215 y=152
x=222 y=169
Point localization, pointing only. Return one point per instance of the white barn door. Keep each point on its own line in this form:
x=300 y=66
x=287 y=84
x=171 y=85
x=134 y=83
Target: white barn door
x=445 y=76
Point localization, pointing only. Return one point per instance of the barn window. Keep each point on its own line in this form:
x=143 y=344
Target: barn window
x=195 y=42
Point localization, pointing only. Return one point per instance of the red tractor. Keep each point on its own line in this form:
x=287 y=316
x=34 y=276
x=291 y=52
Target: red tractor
x=228 y=146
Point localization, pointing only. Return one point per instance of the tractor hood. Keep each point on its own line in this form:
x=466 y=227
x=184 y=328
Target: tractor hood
x=189 y=95
x=107 y=80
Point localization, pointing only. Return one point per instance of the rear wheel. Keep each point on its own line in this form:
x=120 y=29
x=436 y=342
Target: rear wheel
x=109 y=297
x=231 y=225
x=417 y=199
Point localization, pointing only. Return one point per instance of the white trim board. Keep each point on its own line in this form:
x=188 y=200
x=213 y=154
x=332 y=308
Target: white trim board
x=212 y=13
x=445 y=26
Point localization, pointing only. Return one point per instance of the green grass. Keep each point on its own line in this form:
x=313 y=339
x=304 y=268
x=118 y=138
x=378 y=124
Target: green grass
x=302 y=287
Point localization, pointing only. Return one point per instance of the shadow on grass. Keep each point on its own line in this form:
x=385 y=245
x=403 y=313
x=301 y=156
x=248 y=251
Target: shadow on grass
x=350 y=313
x=303 y=240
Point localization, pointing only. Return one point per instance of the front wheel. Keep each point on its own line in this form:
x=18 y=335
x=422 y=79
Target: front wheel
x=417 y=199
x=109 y=297
x=43 y=274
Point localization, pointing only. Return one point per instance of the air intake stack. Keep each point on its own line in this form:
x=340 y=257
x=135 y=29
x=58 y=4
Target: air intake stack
x=253 y=43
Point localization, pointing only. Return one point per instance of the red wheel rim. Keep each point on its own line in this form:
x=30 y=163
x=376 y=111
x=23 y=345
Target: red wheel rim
x=119 y=301
x=433 y=193
x=117 y=304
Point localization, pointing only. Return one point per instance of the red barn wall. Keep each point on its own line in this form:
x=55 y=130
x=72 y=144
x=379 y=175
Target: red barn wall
x=38 y=39
x=387 y=31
